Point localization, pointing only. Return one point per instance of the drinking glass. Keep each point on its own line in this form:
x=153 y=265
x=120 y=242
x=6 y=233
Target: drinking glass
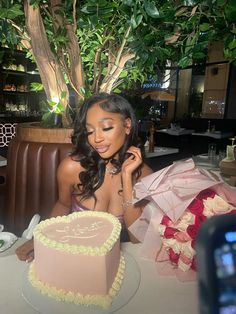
x=211 y=150
x=222 y=154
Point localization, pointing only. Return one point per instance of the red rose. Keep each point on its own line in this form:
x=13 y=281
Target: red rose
x=169 y=232
x=199 y=220
x=165 y=220
x=203 y=195
x=194 y=264
x=192 y=231
x=196 y=207
x=193 y=243
x=174 y=257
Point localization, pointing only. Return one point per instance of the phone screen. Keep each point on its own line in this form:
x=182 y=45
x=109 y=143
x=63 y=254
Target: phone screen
x=225 y=271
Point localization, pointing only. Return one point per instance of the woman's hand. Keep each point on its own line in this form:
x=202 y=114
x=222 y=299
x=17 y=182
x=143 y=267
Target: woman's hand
x=25 y=252
x=133 y=162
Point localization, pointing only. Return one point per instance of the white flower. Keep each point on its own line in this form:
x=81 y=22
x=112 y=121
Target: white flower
x=161 y=229
x=173 y=244
x=214 y=206
x=183 y=266
x=188 y=250
x=186 y=220
x=186 y=256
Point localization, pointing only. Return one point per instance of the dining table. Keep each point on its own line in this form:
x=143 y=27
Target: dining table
x=155 y=293
x=160 y=151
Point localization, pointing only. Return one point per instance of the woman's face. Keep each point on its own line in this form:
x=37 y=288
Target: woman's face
x=106 y=131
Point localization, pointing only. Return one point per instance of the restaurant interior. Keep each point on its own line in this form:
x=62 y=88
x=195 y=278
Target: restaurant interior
x=181 y=119
x=193 y=117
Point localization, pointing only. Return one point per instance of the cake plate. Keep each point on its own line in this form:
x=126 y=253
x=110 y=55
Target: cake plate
x=46 y=305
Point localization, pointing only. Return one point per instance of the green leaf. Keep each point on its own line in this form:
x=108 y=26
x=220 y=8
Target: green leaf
x=199 y=55
x=190 y=42
x=232 y=45
x=117 y=91
x=204 y=27
x=35 y=3
x=151 y=9
x=221 y=2
x=230 y=12
x=59 y=108
x=63 y=95
x=233 y=30
x=185 y=61
x=36 y=87
x=133 y=22
x=123 y=74
x=12 y=12
x=46 y=115
x=82 y=89
x=139 y=19
x=51 y=103
x=128 y=2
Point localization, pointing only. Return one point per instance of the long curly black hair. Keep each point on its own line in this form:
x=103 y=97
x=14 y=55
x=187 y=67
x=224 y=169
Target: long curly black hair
x=94 y=166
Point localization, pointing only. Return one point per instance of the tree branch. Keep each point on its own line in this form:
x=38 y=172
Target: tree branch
x=97 y=61
x=73 y=67
x=107 y=84
x=74 y=15
x=118 y=57
x=97 y=66
x=25 y=37
x=75 y=61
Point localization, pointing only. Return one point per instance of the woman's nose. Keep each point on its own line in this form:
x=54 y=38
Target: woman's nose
x=98 y=137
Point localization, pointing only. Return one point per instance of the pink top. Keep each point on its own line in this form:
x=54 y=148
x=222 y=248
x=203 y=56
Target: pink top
x=77 y=207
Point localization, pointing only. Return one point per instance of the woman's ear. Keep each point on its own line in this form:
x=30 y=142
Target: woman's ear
x=128 y=126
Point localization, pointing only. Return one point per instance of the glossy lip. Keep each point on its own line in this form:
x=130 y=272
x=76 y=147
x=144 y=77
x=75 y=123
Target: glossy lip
x=102 y=149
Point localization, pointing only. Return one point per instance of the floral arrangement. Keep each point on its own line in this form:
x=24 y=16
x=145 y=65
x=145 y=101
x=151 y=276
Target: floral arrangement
x=179 y=237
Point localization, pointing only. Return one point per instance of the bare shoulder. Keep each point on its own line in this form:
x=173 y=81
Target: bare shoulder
x=145 y=171
x=69 y=167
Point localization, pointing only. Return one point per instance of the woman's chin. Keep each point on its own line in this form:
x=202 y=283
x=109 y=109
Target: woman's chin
x=108 y=155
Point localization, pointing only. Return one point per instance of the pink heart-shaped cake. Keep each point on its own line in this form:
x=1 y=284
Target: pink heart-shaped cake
x=78 y=259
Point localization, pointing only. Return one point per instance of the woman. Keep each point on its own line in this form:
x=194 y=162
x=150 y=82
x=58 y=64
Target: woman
x=105 y=164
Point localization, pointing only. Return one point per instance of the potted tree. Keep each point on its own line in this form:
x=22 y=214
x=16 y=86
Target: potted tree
x=91 y=46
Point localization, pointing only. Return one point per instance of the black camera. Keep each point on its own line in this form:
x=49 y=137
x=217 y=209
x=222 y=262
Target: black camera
x=216 y=265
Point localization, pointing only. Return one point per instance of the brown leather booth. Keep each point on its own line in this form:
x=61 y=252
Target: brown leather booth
x=31 y=184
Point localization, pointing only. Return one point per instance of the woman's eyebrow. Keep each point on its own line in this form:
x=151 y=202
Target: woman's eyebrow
x=101 y=120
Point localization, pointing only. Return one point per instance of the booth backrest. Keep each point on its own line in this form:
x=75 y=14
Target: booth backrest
x=31 y=183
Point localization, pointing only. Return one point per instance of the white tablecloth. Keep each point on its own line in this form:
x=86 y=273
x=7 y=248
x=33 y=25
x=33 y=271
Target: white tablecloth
x=176 y=132
x=156 y=294
x=161 y=151
x=216 y=135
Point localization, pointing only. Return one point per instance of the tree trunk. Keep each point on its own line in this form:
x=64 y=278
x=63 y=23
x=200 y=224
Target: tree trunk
x=48 y=66
x=73 y=66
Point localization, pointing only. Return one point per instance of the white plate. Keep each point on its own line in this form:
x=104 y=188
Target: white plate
x=8 y=238
x=47 y=305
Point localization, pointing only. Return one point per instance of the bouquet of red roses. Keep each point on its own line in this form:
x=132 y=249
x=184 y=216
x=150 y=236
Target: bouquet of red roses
x=181 y=197
x=178 y=238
